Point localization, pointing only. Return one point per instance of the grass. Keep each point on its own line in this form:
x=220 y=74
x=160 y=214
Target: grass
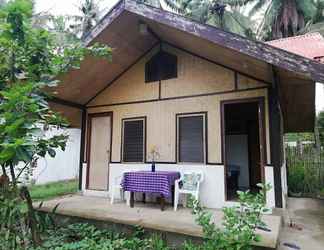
x=54 y=189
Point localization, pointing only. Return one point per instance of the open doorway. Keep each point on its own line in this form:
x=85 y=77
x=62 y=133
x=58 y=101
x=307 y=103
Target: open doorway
x=243 y=150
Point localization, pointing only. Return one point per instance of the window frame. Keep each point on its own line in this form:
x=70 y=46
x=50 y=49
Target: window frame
x=205 y=136
x=143 y=119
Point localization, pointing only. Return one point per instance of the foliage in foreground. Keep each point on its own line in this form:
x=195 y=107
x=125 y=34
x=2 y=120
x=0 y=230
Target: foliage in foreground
x=237 y=232
x=239 y=223
x=30 y=61
x=88 y=237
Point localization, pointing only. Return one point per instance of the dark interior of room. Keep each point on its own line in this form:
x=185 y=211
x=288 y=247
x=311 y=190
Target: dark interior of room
x=242 y=148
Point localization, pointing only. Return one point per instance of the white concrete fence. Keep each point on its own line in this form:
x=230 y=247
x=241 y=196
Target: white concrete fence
x=64 y=166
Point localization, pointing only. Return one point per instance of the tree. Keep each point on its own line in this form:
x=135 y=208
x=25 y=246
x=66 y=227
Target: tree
x=29 y=63
x=317 y=23
x=63 y=34
x=88 y=18
x=320 y=127
x=155 y=3
x=284 y=18
x=224 y=14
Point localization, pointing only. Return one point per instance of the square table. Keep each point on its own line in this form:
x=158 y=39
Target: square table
x=158 y=182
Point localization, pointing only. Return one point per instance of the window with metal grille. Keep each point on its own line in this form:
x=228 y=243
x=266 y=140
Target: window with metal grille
x=191 y=138
x=134 y=140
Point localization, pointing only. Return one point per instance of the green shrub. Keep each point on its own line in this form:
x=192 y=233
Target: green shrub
x=13 y=214
x=296 y=178
x=238 y=231
x=87 y=237
x=239 y=223
x=305 y=170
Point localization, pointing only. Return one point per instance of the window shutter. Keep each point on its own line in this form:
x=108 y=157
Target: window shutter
x=191 y=139
x=133 y=150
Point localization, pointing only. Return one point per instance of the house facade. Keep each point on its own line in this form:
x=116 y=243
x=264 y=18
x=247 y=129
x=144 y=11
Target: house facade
x=188 y=97
x=181 y=118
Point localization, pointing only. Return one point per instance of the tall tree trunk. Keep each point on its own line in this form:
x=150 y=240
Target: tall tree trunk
x=289 y=20
x=4 y=180
x=4 y=172
x=12 y=67
x=13 y=175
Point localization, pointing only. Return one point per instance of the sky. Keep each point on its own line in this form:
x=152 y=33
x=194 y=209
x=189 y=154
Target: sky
x=69 y=7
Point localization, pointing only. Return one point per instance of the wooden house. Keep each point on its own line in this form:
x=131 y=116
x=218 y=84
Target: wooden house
x=202 y=98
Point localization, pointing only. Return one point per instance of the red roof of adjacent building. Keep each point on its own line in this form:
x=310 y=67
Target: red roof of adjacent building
x=310 y=45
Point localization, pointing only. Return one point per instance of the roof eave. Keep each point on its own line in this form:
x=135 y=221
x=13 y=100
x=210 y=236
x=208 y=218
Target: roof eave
x=105 y=22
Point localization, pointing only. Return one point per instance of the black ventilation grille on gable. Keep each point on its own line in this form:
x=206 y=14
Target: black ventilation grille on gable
x=161 y=66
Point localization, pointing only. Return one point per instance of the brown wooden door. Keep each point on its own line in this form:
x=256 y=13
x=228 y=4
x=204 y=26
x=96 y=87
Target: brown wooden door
x=99 y=152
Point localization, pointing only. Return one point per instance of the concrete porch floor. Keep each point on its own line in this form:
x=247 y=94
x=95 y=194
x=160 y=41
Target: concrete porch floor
x=149 y=216
x=308 y=217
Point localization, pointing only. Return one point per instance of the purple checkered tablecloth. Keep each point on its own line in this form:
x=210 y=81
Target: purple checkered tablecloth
x=159 y=182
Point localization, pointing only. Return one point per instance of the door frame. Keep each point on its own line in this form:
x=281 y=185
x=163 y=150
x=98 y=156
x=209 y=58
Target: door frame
x=89 y=131
x=262 y=133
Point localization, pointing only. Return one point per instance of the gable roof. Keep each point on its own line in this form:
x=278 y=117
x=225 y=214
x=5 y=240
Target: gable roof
x=120 y=30
x=255 y=49
x=309 y=45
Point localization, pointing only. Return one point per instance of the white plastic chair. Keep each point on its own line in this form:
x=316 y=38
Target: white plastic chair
x=189 y=183
x=117 y=187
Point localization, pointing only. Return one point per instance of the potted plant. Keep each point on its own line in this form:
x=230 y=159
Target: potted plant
x=154 y=155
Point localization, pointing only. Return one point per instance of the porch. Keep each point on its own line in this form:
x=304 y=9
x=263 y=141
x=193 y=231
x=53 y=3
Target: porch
x=213 y=180
x=119 y=216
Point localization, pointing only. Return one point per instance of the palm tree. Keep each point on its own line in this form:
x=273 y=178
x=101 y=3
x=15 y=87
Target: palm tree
x=88 y=18
x=225 y=14
x=63 y=35
x=317 y=23
x=155 y=3
x=283 y=18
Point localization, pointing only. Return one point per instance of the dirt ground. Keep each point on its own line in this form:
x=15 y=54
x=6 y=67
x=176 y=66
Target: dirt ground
x=307 y=231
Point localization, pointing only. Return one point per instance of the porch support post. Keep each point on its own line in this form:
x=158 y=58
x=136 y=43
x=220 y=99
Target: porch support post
x=82 y=145
x=276 y=136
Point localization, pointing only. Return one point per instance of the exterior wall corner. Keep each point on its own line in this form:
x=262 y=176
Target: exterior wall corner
x=269 y=179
